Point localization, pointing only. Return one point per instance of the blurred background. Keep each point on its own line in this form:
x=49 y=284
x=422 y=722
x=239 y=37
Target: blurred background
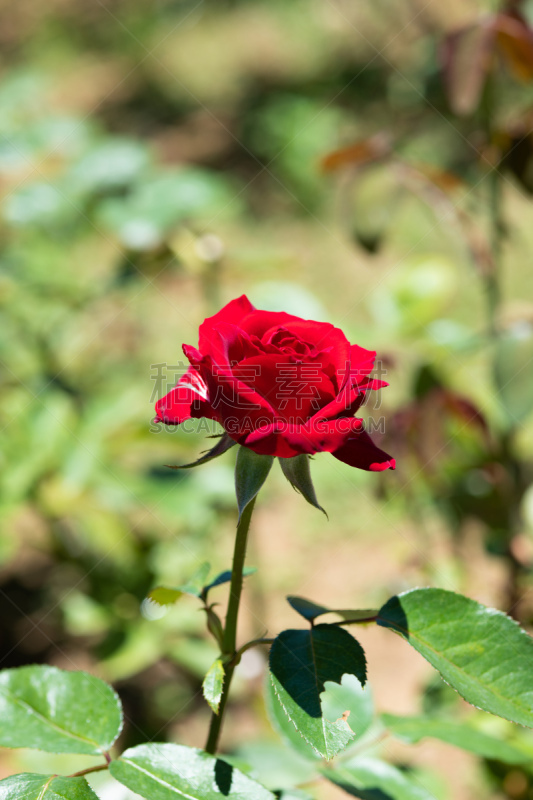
x=364 y=163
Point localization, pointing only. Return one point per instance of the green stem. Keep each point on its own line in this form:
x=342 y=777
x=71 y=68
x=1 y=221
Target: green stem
x=229 y=640
x=88 y=771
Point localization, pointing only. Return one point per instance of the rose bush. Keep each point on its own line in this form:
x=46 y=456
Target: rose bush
x=278 y=384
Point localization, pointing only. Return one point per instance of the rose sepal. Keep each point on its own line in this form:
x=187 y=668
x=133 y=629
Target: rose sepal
x=297 y=470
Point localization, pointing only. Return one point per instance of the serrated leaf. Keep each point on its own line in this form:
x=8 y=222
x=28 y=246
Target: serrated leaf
x=372 y=779
x=30 y=786
x=168 y=771
x=213 y=684
x=225 y=577
x=350 y=696
x=58 y=711
x=335 y=701
x=222 y=446
x=168 y=595
x=298 y=472
x=301 y=661
x=460 y=734
x=165 y=596
x=251 y=471
x=480 y=652
x=284 y=726
x=310 y=611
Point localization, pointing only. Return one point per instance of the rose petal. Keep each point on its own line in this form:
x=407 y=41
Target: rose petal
x=295 y=390
x=286 y=439
x=229 y=344
x=239 y=407
x=234 y=312
x=362 y=361
x=189 y=398
x=361 y=452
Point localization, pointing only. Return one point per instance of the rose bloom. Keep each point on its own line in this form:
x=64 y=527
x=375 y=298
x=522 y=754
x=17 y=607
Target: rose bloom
x=278 y=384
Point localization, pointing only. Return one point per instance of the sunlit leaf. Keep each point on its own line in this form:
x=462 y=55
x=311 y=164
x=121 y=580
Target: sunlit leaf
x=168 y=771
x=213 y=684
x=349 y=696
x=480 y=652
x=372 y=779
x=165 y=596
x=30 y=786
x=61 y=712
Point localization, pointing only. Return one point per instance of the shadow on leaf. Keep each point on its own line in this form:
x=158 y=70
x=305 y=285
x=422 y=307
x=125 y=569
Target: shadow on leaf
x=223 y=774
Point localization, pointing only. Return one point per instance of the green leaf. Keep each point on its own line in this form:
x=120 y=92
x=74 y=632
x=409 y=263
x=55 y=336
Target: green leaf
x=460 y=734
x=359 y=615
x=349 y=696
x=222 y=446
x=225 y=577
x=30 y=786
x=306 y=608
x=372 y=779
x=301 y=661
x=335 y=701
x=310 y=611
x=251 y=471
x=213 y=684
x=167 y=771
x=196 y=582
x=165 y=596
x=273 y=764
x=156 y=205
x=112 y=164
x=480 y=652
x=61 y=712
x=298 y=473
x=283 y=726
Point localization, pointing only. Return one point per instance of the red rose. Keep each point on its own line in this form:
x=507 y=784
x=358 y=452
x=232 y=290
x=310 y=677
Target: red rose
x=278 y=384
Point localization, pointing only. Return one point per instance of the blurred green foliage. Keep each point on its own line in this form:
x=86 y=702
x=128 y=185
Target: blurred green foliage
x=157 y=159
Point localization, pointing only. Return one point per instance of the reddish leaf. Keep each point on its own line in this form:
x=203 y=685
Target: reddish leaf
x=355 y=155
x=467 y=57
x=514 y=39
